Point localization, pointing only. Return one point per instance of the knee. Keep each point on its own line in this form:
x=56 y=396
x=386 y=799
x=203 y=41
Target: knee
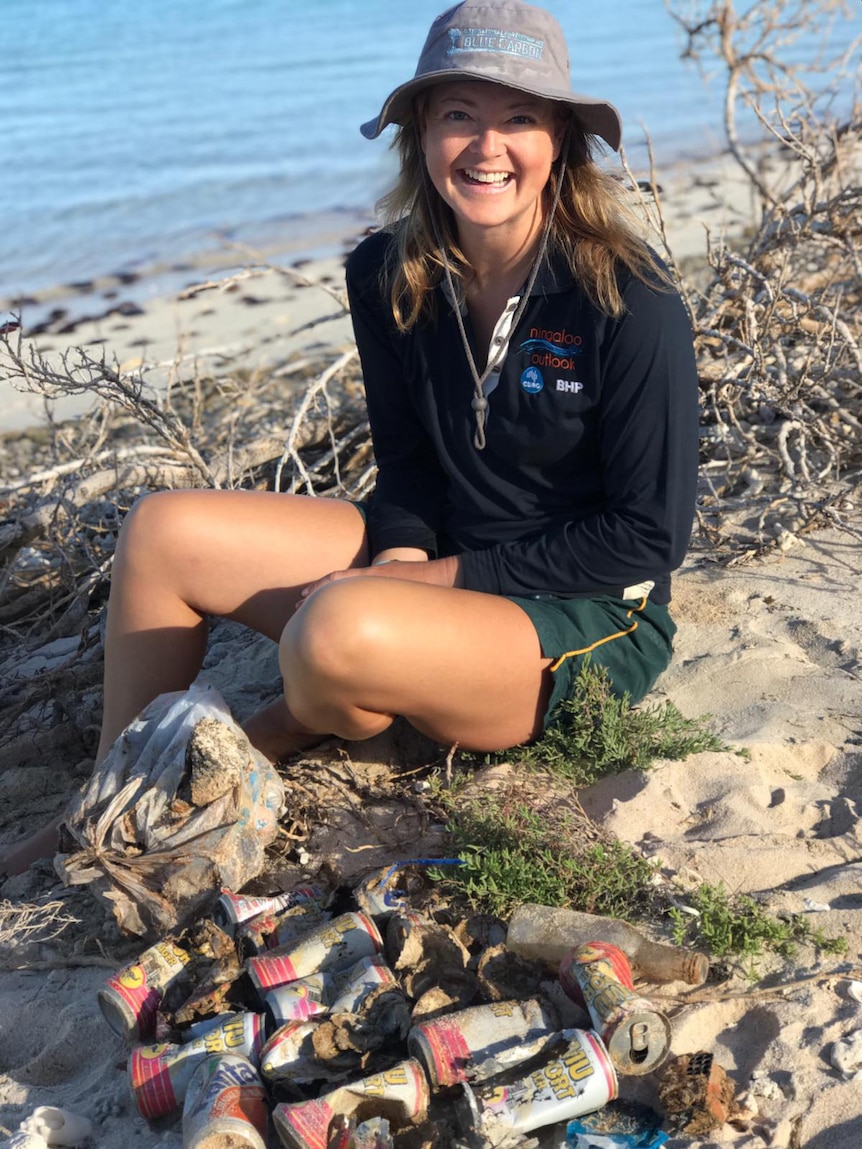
x=152 y=527
x=340 y=630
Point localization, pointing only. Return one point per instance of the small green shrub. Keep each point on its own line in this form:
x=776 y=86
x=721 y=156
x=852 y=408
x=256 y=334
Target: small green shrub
x=522 y=856
x=596 y=733
x=739 y=926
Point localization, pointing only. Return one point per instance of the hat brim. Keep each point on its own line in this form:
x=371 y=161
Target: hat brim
x=597 y=116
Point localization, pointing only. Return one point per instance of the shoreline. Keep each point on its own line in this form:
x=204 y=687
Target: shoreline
x=141 y=321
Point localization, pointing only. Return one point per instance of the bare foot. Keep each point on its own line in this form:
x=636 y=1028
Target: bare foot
x=276 y=733
x=20 y=857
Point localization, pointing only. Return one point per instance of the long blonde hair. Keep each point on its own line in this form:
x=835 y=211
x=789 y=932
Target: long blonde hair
x=592 y=229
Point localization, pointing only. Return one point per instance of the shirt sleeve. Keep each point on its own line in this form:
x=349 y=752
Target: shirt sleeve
x=648 y=427
x=406 y=507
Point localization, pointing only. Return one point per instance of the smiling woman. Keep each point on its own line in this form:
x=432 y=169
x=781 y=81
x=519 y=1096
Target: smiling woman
x=526 y=516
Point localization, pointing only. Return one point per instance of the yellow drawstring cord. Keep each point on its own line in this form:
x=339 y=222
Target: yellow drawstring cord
x=600 y=642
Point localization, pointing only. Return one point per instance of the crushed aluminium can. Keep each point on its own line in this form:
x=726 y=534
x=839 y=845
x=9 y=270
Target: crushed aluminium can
x=231 y=910
x=399 y=1093
x=225 y=1106
x=636 y=1035
x=288 y=1055
x=369 y=974
x=299 y=1000
x=331 y=946
x=269 y=931
x=341 y=991
x=159 y=1075
x=483 y=1040
x=580 y=1080
x=130 y=999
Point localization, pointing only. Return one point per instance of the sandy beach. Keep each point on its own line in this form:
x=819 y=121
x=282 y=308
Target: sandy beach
x=768 y=647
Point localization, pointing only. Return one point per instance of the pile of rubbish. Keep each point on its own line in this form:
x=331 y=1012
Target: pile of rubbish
x=298 y=1021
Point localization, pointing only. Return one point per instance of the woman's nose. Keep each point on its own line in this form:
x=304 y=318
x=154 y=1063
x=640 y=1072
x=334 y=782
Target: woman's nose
x=488 y=142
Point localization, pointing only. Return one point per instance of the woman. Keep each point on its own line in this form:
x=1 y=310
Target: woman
x=533 y=402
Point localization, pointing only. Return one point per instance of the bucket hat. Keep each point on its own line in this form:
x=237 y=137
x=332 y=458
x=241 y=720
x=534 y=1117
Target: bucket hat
x=505 y=42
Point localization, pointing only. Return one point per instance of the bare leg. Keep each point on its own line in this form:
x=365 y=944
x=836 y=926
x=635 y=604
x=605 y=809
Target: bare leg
x=460 y=666
x=185 y=555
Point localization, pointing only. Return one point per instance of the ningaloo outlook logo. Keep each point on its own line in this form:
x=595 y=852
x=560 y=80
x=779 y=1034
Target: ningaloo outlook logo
x=532 y=381
x=548 y=348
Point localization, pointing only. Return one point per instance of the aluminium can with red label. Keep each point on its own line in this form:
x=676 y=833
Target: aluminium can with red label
x=289 y=1054
x=225 y=1106
x=231 y=910
x=159 y=1075
x=483 y=1040
x=331 y=946
x=580 y=1080
x=271 y=930
x=130 y=999
x=402 y=1092
x=636 y=1034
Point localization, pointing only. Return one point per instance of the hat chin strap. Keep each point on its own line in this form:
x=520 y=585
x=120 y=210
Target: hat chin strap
x=480 y=401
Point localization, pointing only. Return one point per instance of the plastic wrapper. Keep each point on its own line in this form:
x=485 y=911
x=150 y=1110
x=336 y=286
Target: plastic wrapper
x=181 y=806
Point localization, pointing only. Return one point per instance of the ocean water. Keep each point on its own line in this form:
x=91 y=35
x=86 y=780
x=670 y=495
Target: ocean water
x=137 y=134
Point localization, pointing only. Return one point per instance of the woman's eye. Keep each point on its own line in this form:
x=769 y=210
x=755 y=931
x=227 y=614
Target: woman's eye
x=456 y=115
x=523 y=119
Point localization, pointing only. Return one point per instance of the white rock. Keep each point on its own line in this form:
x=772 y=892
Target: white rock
x=812 y=907
x=846 y=1056
x=58 y=1126
x=854 y=990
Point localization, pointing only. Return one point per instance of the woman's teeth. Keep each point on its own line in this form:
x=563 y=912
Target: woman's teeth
x=498 y=178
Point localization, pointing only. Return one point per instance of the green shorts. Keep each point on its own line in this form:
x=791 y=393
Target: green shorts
x=631 y=638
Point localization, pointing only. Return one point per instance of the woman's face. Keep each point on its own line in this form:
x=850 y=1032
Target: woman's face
x=489 y=151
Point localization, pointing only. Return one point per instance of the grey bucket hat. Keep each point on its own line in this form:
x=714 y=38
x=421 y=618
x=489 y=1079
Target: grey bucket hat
x=506 y=42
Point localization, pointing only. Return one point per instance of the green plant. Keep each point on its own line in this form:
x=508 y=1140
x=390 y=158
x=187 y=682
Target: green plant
x=729 y=925
x=596 y=733
x=522 y=855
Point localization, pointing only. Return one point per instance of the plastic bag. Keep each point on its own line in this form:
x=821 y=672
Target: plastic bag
x=181 y=805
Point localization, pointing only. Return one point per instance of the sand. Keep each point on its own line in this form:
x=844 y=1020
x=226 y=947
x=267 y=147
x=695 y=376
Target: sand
x=769 y=648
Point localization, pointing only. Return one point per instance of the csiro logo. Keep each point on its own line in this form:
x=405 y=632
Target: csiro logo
x=532 y=381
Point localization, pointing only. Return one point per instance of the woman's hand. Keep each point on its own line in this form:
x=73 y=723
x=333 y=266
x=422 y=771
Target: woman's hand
x=436 y=572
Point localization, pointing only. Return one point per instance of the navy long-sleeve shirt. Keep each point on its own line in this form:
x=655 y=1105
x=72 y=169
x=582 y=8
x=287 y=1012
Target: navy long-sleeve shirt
x=587 y=483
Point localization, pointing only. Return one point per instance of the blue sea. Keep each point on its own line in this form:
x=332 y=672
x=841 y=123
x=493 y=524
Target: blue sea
x=137 y=133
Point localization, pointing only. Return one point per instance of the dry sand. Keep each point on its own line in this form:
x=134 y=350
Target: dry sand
x=769 y=648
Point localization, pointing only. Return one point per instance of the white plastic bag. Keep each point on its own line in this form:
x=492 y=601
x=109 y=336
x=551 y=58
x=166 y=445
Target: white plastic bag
x=150 y=844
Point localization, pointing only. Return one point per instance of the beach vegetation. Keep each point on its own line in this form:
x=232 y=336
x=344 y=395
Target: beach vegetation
x=736 y=926
x=516 y=853
x=598 y=733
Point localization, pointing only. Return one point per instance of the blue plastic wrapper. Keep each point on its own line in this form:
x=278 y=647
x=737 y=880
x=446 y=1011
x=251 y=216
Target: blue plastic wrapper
x=617 y=1126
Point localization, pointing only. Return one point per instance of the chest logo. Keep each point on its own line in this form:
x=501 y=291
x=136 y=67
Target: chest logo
x=550 y=348
x=573 y=386
x=532 y=381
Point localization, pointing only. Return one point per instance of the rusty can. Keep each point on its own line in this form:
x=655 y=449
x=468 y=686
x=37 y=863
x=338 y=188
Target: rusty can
x=636 y=1034
x=130 y=999
x=331 y=946
x=483 y=1040
x=580 y=1080
x=231 y=910
x=225 y=1106
x=159 y=1075
x=399 y=1093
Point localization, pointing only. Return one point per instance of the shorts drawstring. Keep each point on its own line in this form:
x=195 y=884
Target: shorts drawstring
x=608 y=638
